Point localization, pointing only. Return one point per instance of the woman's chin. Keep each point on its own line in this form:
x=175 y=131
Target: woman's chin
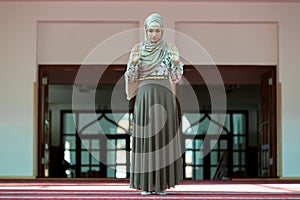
x=154 y=40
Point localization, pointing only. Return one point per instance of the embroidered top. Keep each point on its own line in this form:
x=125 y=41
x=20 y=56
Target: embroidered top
x=166 y=68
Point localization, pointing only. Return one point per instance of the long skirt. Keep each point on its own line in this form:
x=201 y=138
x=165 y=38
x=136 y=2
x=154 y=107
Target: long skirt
x=156 y=162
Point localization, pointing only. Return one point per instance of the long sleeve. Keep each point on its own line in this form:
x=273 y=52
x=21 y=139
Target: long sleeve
x=132 y=72
x=131 y=80
x=176 y=72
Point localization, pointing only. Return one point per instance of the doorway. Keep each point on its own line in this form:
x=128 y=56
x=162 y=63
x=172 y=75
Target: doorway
x=247 y=145
x=246 y=149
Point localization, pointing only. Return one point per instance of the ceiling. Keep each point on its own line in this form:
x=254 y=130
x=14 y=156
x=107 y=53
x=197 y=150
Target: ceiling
x=247 y=75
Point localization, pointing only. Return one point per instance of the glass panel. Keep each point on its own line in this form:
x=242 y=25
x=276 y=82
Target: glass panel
x=95 y=157
x=188 y=157
x=214 y=158
x=73 y=157
x=243 y=143
x=226 y=125
x=199 y=173
x=85 y=120
x=243 y=158
x=121 y=157
x=123 y=122
x=223 y=153
x=188 y=172
x=84 y=169
x=190 y=118
x=188 y=143
x=198 y=159
x=235 y=143
x=121 y=171
x=85 y=156
x=106 y=126
x=216 y=125
x=111 y=157
x=239 y=143
x=214 y=144
x=95 y=144
x=85 y=144
x=236 y=158
x=71 y=140
x=203 y=126
x=69 y=126
x=223 y=144
x=95 y=168
x=111 y=144
x=186 y=125
x=121 y=144
x=198 y=144
x=238 y=124
x=91 y=126
x=212 y=172
x=111 y=172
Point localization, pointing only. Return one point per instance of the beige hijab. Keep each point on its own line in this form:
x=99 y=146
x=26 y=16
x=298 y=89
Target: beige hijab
x=152 y=54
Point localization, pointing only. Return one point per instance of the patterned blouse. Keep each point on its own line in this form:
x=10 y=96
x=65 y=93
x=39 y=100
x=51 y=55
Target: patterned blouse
x=166 y=69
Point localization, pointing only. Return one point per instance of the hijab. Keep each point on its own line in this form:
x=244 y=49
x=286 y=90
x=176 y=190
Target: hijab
x=152 y=53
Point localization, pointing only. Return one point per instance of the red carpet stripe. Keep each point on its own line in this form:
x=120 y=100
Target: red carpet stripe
x=119 y=189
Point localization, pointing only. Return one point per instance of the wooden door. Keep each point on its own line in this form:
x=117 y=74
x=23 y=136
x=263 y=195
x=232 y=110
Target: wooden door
x=268 y=134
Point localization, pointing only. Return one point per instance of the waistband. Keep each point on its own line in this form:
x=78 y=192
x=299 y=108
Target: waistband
x=153 y=78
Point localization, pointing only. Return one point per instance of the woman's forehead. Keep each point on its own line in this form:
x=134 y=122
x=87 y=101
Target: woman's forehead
x=154 y=27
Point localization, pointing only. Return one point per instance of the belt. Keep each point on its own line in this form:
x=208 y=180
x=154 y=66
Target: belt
x=153 y=78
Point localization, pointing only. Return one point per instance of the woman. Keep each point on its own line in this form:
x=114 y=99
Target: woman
x=152 y=70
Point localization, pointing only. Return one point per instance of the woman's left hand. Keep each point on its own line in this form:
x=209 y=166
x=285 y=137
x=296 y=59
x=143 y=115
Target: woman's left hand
x=174 y=54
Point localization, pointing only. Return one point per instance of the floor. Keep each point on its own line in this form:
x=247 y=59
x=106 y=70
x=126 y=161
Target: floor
x=119 y=189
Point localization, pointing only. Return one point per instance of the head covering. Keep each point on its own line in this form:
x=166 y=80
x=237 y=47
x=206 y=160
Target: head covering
x=152 y=53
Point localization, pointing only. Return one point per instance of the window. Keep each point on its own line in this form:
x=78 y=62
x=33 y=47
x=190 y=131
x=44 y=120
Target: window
x=98 y=148
x=231 y=145
x=104 y=152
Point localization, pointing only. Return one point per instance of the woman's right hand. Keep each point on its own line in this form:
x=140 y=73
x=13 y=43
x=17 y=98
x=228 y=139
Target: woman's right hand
x=174 y=54
x=135 y=54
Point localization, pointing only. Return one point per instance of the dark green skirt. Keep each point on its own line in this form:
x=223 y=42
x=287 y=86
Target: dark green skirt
x=156 y=162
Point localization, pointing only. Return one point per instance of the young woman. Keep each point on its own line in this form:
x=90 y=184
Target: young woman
x=152 y=70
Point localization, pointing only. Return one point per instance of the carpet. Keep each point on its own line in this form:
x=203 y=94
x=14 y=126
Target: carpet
x=119 y=189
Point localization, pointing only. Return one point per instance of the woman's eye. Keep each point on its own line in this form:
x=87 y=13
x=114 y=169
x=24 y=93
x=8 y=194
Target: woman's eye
x=156 y=30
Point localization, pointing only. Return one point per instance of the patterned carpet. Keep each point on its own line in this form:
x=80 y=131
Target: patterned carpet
x=119 y=189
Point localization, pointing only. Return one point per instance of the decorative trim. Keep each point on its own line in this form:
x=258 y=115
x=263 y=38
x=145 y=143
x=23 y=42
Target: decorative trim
x=35 y=119
x=279 y=128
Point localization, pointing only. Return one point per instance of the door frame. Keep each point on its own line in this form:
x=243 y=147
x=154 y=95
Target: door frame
x=268 y=128
x=226 y=69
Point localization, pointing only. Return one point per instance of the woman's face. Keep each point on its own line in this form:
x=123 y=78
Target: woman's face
x=154 y=33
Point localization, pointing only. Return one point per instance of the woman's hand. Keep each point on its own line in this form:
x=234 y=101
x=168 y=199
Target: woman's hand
x=174 y=55
x=135 y=54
